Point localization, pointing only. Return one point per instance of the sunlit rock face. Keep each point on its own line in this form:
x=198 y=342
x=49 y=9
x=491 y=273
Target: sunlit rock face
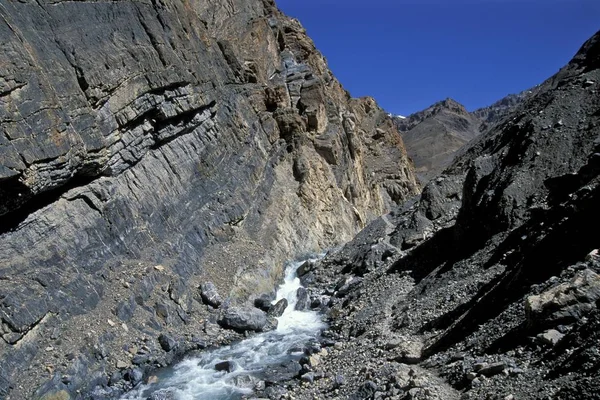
x=148 y=146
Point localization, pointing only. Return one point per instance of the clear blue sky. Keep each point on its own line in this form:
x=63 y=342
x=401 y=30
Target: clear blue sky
x=408 y=54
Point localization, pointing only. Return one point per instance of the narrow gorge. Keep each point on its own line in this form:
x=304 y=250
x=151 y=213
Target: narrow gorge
x=164 y=163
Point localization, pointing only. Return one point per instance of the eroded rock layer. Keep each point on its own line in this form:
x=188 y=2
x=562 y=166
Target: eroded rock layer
x=148 y=146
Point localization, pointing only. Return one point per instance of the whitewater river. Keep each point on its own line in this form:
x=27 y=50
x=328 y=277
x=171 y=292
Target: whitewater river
x=196 y=378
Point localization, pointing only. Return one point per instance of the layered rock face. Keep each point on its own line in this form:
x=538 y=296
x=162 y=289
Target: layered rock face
x=487 y=286
x=148 y=146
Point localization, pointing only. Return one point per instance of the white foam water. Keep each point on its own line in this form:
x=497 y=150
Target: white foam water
x=196 y=378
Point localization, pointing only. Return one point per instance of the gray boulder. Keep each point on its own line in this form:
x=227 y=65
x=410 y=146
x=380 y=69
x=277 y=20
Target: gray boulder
x=167 y=342
x=278 y=308
x=305 y=268
x=243 y=319
x=565 y=302
x=210 y=295
x=303 y=300
x=163 y=394
x=271 y=324
x=264 y=301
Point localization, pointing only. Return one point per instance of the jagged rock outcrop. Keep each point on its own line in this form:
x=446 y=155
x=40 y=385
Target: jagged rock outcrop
x=489 y=280
x=148 y=146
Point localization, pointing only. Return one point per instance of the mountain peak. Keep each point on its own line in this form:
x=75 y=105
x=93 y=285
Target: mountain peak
x=451 y=105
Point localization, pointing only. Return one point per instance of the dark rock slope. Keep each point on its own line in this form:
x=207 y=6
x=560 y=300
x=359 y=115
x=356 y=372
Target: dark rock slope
x=488 y=285
x=148 y=147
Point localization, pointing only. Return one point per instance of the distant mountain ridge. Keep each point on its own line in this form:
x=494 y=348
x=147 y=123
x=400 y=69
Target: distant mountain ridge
x=499 y=110
x=434 y=135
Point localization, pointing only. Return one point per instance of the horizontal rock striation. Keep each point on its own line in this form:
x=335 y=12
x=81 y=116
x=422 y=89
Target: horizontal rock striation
x=148 y=146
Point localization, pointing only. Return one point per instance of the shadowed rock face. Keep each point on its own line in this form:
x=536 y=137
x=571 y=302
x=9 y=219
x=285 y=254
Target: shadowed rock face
x=147 y=146
x=490 y=280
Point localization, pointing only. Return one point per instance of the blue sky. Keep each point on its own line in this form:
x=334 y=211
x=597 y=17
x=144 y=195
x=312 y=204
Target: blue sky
x=408 y=54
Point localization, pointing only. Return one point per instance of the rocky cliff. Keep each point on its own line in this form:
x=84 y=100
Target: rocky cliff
x=488 y=285
x=148 y=146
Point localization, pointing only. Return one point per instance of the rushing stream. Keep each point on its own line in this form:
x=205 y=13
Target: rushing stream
x=196 y=378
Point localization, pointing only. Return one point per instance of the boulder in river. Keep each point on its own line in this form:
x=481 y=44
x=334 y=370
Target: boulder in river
x=163 y=394
x=303 y=299
x=226 y=366
x=305 y=268
x=278 y=308
x=243 y=319
x=271 y=324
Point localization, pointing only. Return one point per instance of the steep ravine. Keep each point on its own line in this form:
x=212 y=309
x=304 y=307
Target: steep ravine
x=238 y=370
x=148 y=147
x=487 y=286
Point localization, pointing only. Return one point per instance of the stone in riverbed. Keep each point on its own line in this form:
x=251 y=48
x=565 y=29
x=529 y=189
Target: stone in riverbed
x=125 y=309
x=134 y=376
x=245 y=381
x=210 y=295
x=339 y=381
x=303 y=299
x=305 y=268
x=264 y=302
x=226 y=366
x=60 y=395
x=242 y=319
x=408 y=351
x=550 y=337
x=121 y=364
x=366 y=391
x=271 y=324
x=308 y=377
x=278 y=308
x=492 y=369
x=140 y=359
